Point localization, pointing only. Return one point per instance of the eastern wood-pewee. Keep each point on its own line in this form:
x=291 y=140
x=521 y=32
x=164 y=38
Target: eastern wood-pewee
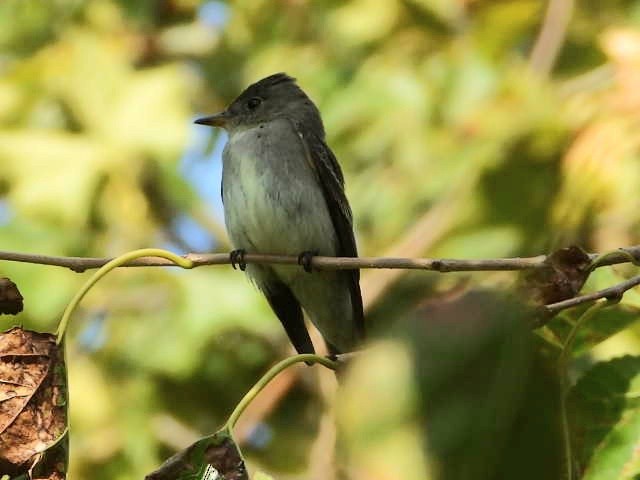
x=283 y=193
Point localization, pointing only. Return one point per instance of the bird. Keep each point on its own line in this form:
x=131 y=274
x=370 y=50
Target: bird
x=283 y=193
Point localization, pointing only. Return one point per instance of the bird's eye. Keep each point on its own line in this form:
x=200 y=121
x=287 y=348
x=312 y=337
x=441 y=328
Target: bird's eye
x=254 y=102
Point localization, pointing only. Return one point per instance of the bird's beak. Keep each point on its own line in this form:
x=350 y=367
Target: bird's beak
x=217 y=120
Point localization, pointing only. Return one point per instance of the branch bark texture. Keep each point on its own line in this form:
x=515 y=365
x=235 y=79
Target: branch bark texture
x=80 y=264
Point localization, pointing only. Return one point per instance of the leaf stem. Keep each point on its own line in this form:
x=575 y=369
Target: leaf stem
x=619 y=252
x=102 y=271
x=270 y=375
x=563 y=367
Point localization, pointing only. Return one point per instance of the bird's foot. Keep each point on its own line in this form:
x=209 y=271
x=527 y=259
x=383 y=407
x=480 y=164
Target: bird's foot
x=237 y=259
x=305 y=259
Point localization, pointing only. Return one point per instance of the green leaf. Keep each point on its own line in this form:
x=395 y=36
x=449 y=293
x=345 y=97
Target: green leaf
x=604 y=409
x=604 y=324
x=215 y=457
x=162 y=129
x=65 y=199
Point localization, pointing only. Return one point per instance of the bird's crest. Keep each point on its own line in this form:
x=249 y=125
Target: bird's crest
x=274 y=79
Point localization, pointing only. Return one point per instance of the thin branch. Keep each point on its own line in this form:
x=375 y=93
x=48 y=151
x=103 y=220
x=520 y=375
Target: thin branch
x=80 y=264
x=624 y=255
x=612 y=293
x=551 y=36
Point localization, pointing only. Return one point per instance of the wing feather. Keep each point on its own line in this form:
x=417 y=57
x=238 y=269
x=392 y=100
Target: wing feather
x=329 y=174
x=287 y=309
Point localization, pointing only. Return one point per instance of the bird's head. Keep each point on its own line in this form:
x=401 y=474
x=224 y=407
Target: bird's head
x=272 y=97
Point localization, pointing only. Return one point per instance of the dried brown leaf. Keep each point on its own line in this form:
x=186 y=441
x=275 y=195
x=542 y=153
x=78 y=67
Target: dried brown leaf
x=214 y=457
x=566 y=271
x=10 y=297
x=33 y=400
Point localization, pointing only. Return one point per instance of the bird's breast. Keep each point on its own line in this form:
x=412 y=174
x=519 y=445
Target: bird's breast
x=273 y=202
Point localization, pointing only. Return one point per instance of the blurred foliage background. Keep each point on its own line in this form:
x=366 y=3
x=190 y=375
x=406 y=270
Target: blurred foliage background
x=466 y=128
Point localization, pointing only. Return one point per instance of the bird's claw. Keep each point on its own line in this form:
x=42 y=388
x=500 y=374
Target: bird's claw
x=305 y=259
x=237 y=259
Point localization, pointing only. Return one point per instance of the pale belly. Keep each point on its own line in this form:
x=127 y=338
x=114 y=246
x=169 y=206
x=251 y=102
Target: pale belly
x=274 y=204
x=272 y=200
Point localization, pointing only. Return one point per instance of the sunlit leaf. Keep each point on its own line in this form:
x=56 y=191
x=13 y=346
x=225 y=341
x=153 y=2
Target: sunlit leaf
x=604 y=324
x=29 y=160
x=604 y=409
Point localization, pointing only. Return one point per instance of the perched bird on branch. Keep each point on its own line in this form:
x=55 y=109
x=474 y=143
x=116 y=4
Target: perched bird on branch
x=283 y=192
